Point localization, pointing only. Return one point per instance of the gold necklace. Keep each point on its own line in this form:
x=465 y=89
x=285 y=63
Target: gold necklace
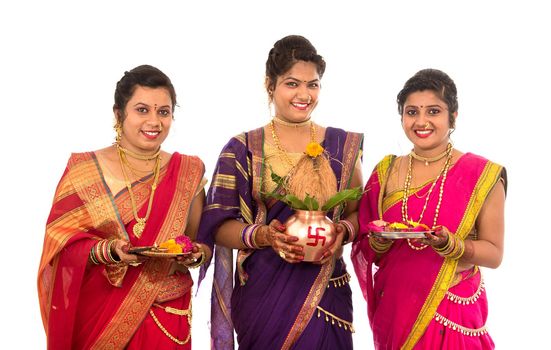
x=429 y=160
x=278 y=143
x=135 y=171
x=139 y=226
x=137 y=155
x=407 y=185
x=286 y=123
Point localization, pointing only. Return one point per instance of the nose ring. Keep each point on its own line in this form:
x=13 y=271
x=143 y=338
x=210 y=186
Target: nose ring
x=309 y=98
x=427 y=125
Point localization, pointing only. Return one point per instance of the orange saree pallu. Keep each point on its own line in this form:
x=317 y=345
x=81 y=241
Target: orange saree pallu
x=86 y=306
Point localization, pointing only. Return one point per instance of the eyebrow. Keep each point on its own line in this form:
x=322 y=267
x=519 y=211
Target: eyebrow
x=300 y=81
x=428 y=106
x=145 y=104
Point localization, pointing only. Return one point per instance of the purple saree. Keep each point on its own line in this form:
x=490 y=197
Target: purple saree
x=274 y=304
x=415 y=298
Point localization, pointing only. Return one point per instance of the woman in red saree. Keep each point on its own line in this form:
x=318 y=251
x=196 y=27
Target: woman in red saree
x=93 y=293
x=428 y=293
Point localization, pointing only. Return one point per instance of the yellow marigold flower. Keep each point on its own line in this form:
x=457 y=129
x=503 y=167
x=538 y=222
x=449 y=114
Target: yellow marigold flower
x=167 y=244
x=175 y=249
x=314 y=149
x=397 y=226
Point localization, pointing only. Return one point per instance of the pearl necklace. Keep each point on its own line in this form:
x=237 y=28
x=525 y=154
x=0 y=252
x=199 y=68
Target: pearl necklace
x=407 y=185
x=278 y=143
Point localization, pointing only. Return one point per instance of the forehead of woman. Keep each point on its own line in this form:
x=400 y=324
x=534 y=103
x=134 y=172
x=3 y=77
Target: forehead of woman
x=150 y=96
x=302 y=71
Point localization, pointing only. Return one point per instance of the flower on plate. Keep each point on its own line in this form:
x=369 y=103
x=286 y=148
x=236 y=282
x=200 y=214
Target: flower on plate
x=181 y=244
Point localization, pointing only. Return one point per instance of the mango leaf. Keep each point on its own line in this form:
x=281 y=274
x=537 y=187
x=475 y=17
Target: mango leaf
x=294 y=202
x=351 y=194
x=277 y=179
x=311 y=203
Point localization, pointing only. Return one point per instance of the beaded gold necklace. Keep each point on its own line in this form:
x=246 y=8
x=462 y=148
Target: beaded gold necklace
x=407 y=185
x=140 y=222
x=426 y=159
x=278 y=143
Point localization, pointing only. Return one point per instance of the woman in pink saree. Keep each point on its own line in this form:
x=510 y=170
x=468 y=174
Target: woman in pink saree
x=429 y=293
x=93 y=293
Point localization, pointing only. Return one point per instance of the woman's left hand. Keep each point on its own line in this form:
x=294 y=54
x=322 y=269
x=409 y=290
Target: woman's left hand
x=340 y=229
x=437 y=238
x=197 y=254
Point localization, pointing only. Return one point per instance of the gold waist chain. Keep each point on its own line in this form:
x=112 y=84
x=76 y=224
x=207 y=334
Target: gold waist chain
x=174 y=311
x=339 y=281
x=340 y=322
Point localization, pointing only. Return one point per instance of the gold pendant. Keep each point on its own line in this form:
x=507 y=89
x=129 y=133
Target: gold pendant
x=139 y=227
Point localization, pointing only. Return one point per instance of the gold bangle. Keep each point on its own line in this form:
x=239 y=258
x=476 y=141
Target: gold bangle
x=378 y=247
x=199 y=262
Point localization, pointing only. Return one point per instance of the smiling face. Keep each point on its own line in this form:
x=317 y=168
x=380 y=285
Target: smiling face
x=296 y=92
x=426 y=123
x=147 y=118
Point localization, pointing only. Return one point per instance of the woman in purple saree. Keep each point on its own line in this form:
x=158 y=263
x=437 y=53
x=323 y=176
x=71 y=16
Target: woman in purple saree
x=279 y=302
x=429 y=293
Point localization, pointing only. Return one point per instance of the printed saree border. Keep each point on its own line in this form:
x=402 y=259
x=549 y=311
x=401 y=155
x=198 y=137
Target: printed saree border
x=310 y=304
x=134 y=307
x=486 y=181
x=351 y=152
x=382 y=169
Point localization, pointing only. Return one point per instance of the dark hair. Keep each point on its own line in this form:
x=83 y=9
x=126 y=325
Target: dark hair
x=288 y=51
x=438 y=82
x=144 y=75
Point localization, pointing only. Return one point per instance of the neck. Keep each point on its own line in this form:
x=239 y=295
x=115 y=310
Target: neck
x=138 y=154
x=281 y=121
x=433 y=156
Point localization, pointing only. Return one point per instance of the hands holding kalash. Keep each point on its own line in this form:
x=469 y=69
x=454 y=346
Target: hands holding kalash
x=274 y=235
x=194 y=254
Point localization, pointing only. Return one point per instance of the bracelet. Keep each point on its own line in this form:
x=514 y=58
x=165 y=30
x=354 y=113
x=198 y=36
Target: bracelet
x=199 y=262
x=101 y=253
x=351 y=231
x=110 y=253
x=248 y=235
x=454 y=248
x=379 y=247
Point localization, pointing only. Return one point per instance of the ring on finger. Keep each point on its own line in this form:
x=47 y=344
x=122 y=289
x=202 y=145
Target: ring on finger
x=282 y=254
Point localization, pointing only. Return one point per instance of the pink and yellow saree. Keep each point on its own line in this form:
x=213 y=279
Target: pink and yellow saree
x=415 y=298
x=87 y=306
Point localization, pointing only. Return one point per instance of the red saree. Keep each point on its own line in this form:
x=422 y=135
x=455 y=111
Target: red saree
x=415 y=298
x=86 y=306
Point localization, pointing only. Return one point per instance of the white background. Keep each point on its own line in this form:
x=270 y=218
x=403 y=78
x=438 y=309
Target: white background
x=60 y=61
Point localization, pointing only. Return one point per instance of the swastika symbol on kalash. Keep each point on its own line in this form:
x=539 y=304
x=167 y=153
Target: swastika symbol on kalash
x=317 y=237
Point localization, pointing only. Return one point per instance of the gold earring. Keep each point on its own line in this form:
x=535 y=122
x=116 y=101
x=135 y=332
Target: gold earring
x=118 y=131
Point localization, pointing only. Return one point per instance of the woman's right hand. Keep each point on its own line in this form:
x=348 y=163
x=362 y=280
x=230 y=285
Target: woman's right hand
x=283 y=244
x=120 y=247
